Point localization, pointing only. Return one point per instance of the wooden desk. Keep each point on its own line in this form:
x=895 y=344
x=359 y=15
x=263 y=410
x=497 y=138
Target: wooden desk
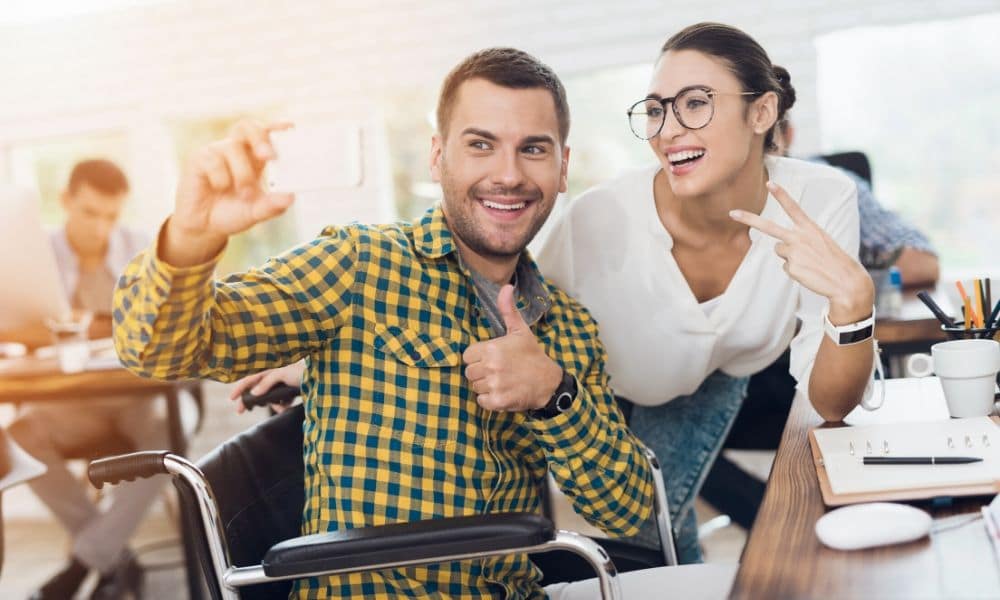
x=34 y=380
x=784 y=559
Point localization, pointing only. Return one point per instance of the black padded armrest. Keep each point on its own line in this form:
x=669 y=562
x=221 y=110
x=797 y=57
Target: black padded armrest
x=416 y=541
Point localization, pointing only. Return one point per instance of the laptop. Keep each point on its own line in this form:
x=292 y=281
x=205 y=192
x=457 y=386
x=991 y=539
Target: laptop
x=30 y=287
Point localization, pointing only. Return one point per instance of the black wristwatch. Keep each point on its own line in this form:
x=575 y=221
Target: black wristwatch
x=561 y=400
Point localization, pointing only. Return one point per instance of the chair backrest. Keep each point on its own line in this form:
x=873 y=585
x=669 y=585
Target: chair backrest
x=856 y=162
x=258 y=480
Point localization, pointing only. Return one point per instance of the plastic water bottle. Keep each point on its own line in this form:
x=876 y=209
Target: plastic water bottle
x=891 y=300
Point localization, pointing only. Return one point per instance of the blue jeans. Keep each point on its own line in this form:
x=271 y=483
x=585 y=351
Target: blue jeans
x=687 y=434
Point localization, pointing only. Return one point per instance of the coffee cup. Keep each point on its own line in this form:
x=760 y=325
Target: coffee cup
x=967 y=370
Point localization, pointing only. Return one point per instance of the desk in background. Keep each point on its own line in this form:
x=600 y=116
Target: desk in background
x=36 y=380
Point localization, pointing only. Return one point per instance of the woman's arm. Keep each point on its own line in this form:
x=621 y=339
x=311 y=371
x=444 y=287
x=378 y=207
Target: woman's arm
x=820 y=261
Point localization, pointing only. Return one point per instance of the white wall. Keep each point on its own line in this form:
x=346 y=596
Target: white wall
x=137 y=68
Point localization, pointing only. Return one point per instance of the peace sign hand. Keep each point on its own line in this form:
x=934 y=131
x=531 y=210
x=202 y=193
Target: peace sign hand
x=815 y=260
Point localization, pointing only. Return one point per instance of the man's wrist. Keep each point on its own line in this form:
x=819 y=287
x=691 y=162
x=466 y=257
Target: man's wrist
x=183 y=247
x=560 y=401
x=552 y=382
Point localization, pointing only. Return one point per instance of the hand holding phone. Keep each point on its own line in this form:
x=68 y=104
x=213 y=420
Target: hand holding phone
x=315 y=157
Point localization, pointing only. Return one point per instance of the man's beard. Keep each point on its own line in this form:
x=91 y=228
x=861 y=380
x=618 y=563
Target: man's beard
x=459 y=209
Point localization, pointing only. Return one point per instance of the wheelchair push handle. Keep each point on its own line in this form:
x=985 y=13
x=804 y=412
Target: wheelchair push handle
x=126 y=467
x=279 y=394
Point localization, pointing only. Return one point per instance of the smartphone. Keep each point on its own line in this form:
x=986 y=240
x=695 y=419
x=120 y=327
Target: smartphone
x=313 y=157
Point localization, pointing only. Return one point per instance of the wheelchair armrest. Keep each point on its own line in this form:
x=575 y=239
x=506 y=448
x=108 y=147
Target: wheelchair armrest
x=415 y=541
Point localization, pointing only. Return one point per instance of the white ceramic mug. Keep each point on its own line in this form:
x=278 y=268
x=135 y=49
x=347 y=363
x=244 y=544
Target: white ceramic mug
x=968 y=373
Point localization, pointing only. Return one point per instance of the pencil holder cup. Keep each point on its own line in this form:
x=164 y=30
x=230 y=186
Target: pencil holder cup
x=957 y=332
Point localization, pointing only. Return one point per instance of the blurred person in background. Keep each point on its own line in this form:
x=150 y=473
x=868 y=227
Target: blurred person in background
x=91 y=250
x=883 y=232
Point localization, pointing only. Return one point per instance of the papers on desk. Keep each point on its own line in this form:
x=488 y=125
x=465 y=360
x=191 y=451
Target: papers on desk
x=45 y=361
x=907 y=400
x=98 y=348
x=913 y=421
x=978 y=436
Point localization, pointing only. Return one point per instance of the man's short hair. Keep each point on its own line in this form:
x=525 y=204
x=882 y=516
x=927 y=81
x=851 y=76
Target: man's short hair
x=102 y=175
x=506 y=67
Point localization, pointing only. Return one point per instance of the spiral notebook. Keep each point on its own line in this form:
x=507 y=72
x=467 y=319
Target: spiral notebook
x=838 y=452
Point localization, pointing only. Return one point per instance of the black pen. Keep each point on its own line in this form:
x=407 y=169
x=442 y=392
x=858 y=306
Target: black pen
x=931 y=304
x=993 y=315
x=989 y=300
x=920 y=460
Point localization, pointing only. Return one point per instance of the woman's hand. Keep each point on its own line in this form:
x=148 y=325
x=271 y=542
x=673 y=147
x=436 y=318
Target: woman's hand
x=814 y=259
x=260 y=383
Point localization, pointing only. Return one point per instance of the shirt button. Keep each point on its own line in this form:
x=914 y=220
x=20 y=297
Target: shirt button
x=414 y=355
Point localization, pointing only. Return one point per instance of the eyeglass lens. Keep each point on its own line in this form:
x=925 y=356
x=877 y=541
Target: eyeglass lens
x=693 y=109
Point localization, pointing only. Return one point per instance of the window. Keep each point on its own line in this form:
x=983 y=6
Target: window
x=601 y=144
x=921 y=100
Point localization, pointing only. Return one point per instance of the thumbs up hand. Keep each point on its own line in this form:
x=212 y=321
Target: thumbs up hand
x=511 y=373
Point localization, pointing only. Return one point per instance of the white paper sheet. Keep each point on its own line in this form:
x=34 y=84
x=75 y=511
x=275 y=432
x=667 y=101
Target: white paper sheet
x=907 y=400
x=978 y=436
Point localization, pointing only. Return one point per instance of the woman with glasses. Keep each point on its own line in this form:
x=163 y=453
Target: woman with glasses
x=699 y=268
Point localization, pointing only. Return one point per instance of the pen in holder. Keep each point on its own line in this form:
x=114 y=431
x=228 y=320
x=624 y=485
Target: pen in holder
x=959 y=332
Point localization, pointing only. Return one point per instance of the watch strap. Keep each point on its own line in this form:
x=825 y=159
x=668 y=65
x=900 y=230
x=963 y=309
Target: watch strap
x=560 y=401
x=852 y=333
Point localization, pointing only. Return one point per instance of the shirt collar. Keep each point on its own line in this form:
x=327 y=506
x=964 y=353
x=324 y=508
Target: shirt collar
x=431 y=235
x=433 y=239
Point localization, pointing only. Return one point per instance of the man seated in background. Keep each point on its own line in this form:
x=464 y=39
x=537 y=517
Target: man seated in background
x=883 y=232
x=444 y=376
x=91 y=250
x=762 y=417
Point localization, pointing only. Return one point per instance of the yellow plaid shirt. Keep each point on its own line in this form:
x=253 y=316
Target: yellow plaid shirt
x=393 y=432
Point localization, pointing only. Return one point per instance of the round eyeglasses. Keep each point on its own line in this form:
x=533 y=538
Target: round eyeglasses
x=693 y=107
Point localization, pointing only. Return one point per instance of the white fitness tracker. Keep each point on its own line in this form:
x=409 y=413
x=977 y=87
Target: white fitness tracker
x=852 y=333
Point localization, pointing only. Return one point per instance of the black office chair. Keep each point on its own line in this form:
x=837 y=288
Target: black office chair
x=269 y=494
x=854 y=161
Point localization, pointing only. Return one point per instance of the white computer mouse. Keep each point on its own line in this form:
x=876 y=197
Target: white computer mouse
x=872 y=524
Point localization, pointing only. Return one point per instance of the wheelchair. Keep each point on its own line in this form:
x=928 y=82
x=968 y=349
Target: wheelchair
x=264 y=565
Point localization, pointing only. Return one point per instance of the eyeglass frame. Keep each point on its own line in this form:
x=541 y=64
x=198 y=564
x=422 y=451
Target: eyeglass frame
x=673 y=107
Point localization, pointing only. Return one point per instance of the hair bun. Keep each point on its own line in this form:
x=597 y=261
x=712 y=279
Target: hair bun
x=787 y=90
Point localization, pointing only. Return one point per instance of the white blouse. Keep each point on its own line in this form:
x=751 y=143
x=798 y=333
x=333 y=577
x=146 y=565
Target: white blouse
x=609 y=250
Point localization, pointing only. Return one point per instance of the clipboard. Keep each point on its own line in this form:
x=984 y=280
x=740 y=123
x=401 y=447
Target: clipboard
x=917 y=493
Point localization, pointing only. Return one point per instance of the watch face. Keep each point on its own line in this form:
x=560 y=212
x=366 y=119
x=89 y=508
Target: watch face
x=563 y=401
x=852 y=337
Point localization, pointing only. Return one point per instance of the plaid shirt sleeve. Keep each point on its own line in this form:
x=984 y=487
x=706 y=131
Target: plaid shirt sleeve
x=593 y=456
x=882 y=230
x=172 y=323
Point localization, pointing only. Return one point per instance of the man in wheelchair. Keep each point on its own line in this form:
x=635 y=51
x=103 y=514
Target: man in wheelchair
x=444 y=376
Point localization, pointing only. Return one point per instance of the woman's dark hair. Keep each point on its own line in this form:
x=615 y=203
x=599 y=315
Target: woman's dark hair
x=745 y=58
